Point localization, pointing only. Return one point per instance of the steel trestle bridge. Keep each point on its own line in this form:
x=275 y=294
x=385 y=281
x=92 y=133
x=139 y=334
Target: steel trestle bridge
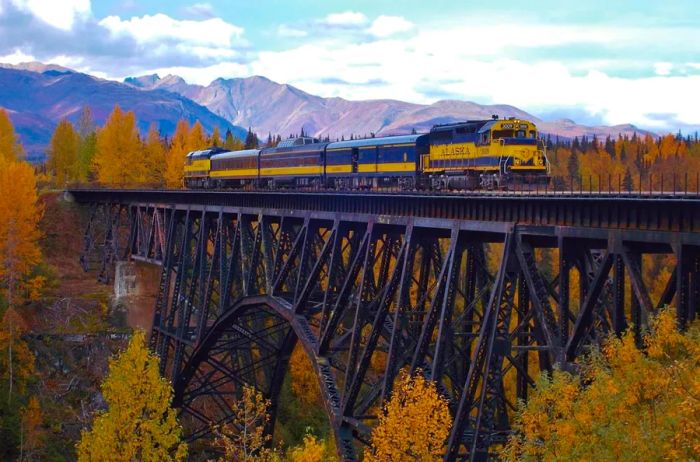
x=457 y=286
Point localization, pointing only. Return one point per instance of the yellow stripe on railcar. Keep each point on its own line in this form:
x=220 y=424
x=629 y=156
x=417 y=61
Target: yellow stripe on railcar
x=306 y=170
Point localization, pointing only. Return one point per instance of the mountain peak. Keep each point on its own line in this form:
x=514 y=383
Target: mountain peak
x=144 y=81
x=36 y=66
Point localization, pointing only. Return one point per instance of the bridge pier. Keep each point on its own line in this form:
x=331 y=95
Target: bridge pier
x=474 y=304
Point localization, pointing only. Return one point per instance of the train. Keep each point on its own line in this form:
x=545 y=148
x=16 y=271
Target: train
x=475 y=154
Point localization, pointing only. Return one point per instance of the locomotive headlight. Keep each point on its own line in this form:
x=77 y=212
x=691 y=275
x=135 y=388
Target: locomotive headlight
x=516 y=161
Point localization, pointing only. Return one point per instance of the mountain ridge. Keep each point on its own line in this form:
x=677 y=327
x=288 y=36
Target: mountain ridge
x=277 y=108
x=37 y=100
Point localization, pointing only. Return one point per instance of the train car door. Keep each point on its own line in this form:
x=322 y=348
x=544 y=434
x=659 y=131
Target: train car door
x=354 y=159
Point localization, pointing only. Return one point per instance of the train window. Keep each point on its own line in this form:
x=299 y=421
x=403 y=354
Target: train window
x=502 y=134
x=441 y=135
x=485 y=137
x=521 y=134
x=533 y=134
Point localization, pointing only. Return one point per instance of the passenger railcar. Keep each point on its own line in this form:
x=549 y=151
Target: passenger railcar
x=375 y=162
x=235 y=169
x=294 y=162
x=198 y=169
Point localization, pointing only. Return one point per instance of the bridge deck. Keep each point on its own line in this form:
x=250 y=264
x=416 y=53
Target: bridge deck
x=647 y=212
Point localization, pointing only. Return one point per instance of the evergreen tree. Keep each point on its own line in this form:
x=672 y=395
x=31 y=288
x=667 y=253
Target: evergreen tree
x=572 y=166
x=251 y=140
x=228 y=142
x=627 y=182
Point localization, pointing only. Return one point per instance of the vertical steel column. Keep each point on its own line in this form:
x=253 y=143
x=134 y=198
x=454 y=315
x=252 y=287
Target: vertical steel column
x=619 y=321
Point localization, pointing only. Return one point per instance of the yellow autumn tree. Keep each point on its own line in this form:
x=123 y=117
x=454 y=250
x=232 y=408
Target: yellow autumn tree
x=629 y=404
x=153 y=157
x=117 y=158
x=312 y=450
x=19 y=230
x=63 y=153
x=303 y=378
x=244 y=439
x=139 y=423
x=32 y=432
x=196 y=139
x=415 y=423
x=175 y=157
x=215 y=139
x=10 y=147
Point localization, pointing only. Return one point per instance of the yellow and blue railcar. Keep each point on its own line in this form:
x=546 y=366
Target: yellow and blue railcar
x=198 y=166
x=375 y=162
x=235 y=169
x=296 y=162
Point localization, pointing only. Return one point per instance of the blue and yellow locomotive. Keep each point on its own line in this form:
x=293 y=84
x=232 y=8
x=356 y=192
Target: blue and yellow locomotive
x=480 y=154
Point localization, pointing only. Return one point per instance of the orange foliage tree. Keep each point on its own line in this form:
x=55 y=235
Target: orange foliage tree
x=153 y=156
x=628 y=404
x=175 y=157
x=117 y=159
x=139 y=423
x=32 y=431
x=19 y=231
x=415 y=423
x=63 y=153
x=10 y=148
x=303 y=379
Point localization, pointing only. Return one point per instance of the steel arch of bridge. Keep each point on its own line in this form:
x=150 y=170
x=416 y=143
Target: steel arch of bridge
x=469 y=303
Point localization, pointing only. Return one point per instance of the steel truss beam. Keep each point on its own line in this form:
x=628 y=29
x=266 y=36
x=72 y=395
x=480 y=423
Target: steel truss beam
x=469 y=304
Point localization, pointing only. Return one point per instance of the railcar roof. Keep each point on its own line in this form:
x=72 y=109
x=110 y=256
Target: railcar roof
x=399 y=139
x=236 y=154
x=205 y=152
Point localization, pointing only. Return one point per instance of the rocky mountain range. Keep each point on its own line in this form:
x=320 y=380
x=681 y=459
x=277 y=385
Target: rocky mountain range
x=38 y=95
x=270 y=107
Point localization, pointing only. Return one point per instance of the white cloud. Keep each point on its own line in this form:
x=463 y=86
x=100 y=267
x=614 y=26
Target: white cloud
x=213 y=32
x=386 y=26
x=17 y=57
x=663 y=68
x=200 y=10
x=291 y=32
x=60 y=14
x=347 y=18
x=422 y=69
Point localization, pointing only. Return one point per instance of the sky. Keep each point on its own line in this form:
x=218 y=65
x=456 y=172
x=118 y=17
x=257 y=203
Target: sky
x=596 y=62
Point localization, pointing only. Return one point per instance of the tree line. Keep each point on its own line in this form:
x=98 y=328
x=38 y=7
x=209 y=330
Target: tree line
x=624 y=162
x=117 y=154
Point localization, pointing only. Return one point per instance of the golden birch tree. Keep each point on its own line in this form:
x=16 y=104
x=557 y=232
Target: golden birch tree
x=153 y=157
x=414 y=425
x=629 y=404
x=10 y=147
x=244 y=440
x=19 y=229
x=175 y=157
x=139 y=423
x=117 y=159
x=63 y=153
